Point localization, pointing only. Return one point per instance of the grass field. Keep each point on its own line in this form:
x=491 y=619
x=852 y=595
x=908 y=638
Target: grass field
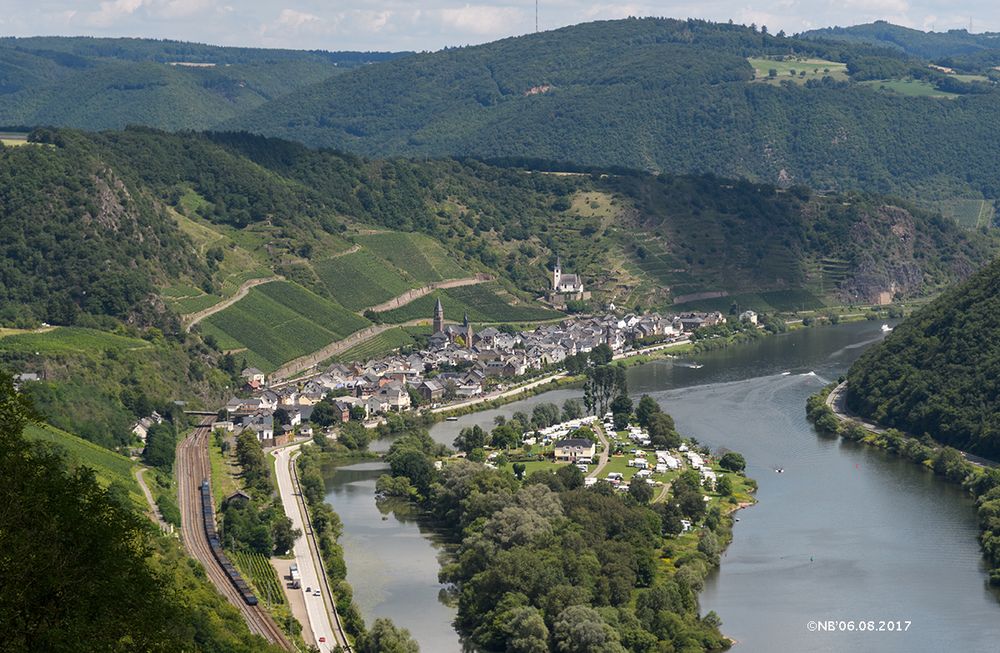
x=279 y=321
x=968 y=213
x=360 y=280
x=262 y=576
x=792 y=68
x=910 y=88
x=481 y=302
x=68 y=340
x=380 y=345
x=421 y=257
x=109 y=467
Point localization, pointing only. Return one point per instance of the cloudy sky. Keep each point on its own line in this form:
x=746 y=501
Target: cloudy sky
x=432 y=24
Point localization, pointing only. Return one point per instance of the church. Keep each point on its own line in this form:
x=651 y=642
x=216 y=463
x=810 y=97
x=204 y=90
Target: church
x=566 y=287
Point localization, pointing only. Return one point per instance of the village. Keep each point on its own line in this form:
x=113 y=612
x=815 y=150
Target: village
x=458 y=365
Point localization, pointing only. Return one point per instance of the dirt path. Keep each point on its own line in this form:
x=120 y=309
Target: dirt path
x=154 y=510
x=417 y=293
x=195 y=318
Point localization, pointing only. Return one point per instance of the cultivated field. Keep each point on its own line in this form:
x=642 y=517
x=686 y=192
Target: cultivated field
x=279 y=321
x=481 y=303
x=68 y=339
x=108 y=466
x=910 y=88
x=781 y=301
x=969 y=213
x=792 y=68
x=360 y=280
x=422 y=258
x=381 y=344
x=262 y=576
x=13 y=139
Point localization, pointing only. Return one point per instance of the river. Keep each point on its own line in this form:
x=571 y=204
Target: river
x=846 y=532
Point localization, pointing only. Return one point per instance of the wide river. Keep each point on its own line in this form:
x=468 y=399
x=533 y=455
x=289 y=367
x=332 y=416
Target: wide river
x=846 y=532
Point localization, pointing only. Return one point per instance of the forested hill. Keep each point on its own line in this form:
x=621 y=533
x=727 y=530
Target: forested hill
x=97 y=83
x=926 y=45
x=937 y=373
x=671 y=96
x=139 y=225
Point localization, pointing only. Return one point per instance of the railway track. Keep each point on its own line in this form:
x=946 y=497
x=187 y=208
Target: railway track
x=193 y=467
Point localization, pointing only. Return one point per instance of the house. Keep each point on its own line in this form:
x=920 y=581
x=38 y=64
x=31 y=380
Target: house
x=571 y=449
x=395 y=396
x=141 y=428
x=262 y=425
x=566 y=287
x=749 y=317
x=431 y=390
x=253 y=377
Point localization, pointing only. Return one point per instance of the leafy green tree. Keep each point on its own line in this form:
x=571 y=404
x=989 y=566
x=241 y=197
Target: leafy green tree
x=662 y=433
x=470 y=438
x=601 y=355
x=646 y=409
x=621 y=411
x=527 y=632
x=161 y=446
x=641 y=491
x=733 y=461
x=354 y=436
x=725 y=486
x=571 y=476
x=572 y=409
x=386 y=637
x=519 y=469
x=603 y=384
x=580 y=629
x=505 y=436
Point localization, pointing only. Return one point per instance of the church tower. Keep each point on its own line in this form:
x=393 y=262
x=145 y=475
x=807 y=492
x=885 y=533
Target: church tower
x=467 y=331
x=438 y=324
x=557 y=274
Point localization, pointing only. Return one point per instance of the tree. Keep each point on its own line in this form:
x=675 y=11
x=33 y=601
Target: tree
x=385 y=637
x=580 y=629
x=470 y=438
x=603 y=384
x=733 y=461
x=505 y=436
x=641 y=491
x=621 y=411
x=354 y=436
x=415 y=466
x=662 y=433
x=572 y=409
x=161 y=445
x=601 y=354
x=725 y=486
x=250 y=455
x=325 y=414
x=284 y=535
x=544 y=414
x=526 y=630
x=519 y=469
x=570 y=476
x=646 y=409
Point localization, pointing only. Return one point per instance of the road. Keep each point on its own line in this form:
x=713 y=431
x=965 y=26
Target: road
x=195 y=318
x=154 y=510
x=417 y=293
x=605 y=454
x=323 y=619
x=192 y=468
x=837 y=402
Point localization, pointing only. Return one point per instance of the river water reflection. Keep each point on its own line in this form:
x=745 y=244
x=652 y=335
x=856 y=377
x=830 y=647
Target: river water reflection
x=846 y=532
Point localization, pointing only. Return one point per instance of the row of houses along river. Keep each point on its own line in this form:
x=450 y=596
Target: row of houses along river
x=846 y=532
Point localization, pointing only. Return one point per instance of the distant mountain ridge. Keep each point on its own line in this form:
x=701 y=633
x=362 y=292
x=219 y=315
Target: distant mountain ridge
x=100 y=83
x=926 y=45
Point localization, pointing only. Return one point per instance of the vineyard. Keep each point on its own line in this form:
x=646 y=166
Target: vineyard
x=67 y=340
x=480 y=302
x=419 y=256
x=381 y=344
x=360 y=280
x=279 y=321
x=263 y=578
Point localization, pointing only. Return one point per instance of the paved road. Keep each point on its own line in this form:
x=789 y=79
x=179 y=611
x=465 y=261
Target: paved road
x=606 y=454
x=192 y=468
x=323 y=620
x=837 y=401
x=195 y=318
x=417 y=293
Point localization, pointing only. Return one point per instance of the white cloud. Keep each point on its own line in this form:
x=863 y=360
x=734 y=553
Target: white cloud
x=295 y=19
x=481 y=19
x=112 y=11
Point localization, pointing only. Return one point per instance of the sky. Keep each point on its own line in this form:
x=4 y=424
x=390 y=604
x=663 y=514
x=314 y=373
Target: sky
x=433 y=24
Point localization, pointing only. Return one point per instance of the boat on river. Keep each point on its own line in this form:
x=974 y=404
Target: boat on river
x=886 y=328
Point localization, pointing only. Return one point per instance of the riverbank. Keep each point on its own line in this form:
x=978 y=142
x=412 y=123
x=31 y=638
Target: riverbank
x=977 y=476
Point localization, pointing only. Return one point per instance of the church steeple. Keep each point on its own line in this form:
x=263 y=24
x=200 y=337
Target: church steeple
x=467 y=328
x=438 y=324
x=557 y=274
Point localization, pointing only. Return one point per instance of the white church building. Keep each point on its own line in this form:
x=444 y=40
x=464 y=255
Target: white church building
x=566 y=287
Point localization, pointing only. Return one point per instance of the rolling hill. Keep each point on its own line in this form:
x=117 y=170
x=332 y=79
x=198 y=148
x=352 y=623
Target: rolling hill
x=95 y=83
x=669 y=96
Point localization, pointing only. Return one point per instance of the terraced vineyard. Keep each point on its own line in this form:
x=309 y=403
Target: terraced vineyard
x=481 y=303
x=779 y=301
x=279 y=321
x=380 y=345
x=969 y=213
x=419 y=256
x=262 y=576
x=360 y=280
x=109 y=467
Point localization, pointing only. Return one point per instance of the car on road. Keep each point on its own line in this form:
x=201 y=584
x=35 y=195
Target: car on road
x=309 y=589
x=317 y=593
